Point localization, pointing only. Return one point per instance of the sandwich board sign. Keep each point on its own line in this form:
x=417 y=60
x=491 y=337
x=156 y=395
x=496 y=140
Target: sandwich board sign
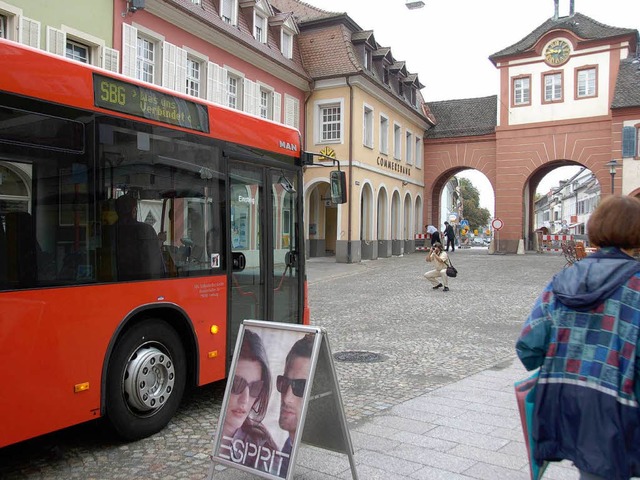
x=282 y=391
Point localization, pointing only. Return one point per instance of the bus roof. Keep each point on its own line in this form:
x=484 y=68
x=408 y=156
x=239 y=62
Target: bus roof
x=37 y=74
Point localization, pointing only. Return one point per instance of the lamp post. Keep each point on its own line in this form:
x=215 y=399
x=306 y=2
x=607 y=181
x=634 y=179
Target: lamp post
x=612 y=170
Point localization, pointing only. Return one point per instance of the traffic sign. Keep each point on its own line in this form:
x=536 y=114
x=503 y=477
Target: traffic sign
x=497 y=224
x=464 y=223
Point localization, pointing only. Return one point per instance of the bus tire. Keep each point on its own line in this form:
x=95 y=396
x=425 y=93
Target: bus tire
x=146 y=379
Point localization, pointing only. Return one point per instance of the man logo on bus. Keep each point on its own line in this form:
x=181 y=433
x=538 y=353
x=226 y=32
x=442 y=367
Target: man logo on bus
x=288 y=146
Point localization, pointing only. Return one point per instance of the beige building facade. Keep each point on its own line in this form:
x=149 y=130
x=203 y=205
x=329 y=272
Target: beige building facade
x=365 y=111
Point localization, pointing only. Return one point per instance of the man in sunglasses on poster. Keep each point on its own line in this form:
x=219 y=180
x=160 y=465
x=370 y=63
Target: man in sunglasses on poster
x=291 y=386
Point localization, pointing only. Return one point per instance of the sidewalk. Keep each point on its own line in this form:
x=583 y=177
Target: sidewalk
x=469 y=429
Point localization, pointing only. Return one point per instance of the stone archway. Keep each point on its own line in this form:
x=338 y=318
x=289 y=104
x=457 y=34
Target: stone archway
x=369 y=248
x=514 y=161
x=383 y=227
x=397 y=243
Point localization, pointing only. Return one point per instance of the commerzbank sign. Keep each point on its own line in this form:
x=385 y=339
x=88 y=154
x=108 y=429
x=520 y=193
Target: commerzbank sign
x=393 y=165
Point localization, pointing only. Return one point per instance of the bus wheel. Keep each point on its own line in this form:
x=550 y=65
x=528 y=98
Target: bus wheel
x=145 y=379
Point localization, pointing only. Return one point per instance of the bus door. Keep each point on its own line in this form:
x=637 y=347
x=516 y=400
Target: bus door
x=264 y=280
x=247 y=221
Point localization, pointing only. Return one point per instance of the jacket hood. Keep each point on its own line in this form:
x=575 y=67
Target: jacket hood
x=592 y=280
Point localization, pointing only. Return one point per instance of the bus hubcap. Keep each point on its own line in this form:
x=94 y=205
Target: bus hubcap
x=149 y=379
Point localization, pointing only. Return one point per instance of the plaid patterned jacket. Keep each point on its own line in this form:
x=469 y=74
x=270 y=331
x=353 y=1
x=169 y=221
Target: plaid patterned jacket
x=587 y=395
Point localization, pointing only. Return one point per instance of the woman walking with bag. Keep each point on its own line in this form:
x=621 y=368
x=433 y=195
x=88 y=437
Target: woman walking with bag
x=583 y=333
x=438 y=276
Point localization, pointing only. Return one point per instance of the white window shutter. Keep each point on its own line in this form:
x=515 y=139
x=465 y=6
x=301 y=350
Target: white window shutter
x=289 y=111
x=216 y=84
x=277 y=107
x=169 y=65
x=56 y=41
x=296 y=113
x=181 y=70
x=222 y=84
x=29 y=33
x=110 y=58
x=129 y=50
x=211 y=83
x=250 y=100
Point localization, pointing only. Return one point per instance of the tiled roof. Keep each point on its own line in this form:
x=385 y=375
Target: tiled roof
x=462 y=118
x=303 y=12
x=627 y=93
x=323 y=56
x=582 y=26
x=207 y=14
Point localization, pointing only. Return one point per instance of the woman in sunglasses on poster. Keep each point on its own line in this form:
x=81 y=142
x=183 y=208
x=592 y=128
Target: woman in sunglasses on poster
x=245 y=440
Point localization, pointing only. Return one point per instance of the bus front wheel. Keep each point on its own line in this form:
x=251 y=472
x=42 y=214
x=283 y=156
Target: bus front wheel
x=145 y=379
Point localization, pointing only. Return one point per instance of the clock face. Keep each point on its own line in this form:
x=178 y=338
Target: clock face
x=557 y=52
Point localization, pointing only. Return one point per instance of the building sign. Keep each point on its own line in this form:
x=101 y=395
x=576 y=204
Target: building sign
x=393 y=165
x=143 y=102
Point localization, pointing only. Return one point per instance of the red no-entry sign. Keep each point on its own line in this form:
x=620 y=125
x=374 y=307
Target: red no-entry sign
x=497 y=224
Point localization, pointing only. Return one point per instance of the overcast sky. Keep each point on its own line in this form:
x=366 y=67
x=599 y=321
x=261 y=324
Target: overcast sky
x=448 y=43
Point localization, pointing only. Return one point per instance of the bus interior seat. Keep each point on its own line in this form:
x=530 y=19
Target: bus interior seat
x=138 y=254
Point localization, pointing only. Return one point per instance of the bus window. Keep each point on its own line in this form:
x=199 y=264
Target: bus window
x=46 y=225
x=178 y=188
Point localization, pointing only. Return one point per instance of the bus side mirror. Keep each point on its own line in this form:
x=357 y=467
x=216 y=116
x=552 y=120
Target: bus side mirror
x=338 y=181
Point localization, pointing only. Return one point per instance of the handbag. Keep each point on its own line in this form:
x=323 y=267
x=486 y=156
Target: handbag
x=525 y=397
x=451 y=270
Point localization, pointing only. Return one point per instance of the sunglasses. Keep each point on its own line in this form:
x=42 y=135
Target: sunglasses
x=297 y=386
x=239 y=384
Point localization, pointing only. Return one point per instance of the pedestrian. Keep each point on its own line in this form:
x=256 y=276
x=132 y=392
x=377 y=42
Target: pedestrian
x=435 y=235
x=583 y=333
x=438 y=276
x=451 y=237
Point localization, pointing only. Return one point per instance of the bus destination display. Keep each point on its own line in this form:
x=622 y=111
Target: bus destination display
x=143 y=102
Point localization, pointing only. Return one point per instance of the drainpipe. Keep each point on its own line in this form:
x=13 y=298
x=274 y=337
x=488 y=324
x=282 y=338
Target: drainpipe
x=350 y=187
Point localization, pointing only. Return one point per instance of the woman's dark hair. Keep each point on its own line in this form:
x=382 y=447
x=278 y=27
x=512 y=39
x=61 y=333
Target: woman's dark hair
x=615 y=223
x=253 y=349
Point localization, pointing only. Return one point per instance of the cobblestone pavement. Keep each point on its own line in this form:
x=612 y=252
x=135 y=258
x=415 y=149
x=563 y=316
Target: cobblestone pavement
x=424 y=339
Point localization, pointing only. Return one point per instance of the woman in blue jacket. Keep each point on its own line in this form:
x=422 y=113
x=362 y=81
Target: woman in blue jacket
x=583 y=332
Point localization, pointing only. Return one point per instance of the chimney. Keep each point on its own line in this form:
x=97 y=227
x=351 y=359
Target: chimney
x=571 y=7
x=555 y=9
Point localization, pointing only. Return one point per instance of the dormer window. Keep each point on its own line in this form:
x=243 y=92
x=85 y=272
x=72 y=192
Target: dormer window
x=260 y=28
x=287 y=43
x=367 y=59
x=229 y=11
x=385 y=76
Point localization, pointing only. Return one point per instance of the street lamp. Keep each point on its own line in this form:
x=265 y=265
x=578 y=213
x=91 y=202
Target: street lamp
x=612 y=170
x=412 y=5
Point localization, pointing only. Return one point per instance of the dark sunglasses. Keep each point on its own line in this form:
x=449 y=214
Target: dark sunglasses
x=239 y=384
x=297 y=386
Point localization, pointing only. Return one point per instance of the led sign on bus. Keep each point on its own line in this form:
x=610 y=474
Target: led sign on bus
x=143 y=102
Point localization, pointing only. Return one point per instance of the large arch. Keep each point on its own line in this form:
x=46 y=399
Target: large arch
x=515 y=160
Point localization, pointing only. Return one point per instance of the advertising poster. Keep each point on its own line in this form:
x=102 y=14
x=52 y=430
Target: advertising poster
x=265 y=399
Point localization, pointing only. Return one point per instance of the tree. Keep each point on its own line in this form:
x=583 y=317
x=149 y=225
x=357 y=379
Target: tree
x=477 y=216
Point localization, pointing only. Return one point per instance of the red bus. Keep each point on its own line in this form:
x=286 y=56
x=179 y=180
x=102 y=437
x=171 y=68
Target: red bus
x=138 y=228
